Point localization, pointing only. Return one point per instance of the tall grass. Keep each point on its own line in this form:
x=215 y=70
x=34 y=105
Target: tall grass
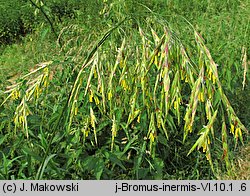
x=135 y=104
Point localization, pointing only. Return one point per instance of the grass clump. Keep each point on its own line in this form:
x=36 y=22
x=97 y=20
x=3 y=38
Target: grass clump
x=135 y=104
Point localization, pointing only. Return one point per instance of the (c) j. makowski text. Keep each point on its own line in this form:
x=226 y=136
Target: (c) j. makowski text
x=72 y=187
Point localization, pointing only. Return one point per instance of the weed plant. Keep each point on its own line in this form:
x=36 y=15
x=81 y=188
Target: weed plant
x=128 y=102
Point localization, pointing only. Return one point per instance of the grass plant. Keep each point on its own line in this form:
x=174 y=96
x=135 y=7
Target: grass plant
x=132 y=101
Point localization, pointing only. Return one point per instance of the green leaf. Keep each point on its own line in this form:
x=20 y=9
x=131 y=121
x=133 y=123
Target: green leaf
x=139 y=160
x=99 y=166
x=31 y=153
x=162 y=139
x=2 y=138
x=89 y=163
x=159 y=166
x=113 y=159
x=43 y=166
x=44 y=33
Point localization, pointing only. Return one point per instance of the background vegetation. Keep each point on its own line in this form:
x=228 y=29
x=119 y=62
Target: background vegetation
x=83 y=89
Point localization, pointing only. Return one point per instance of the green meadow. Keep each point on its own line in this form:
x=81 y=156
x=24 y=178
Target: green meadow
x=124 y=89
